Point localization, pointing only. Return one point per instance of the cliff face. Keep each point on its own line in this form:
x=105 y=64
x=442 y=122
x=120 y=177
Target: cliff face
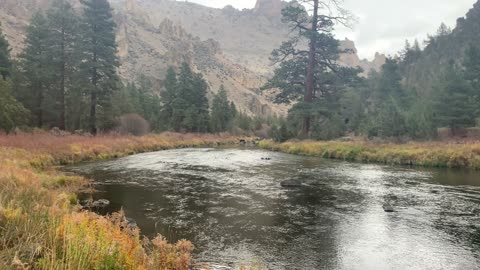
x=228 y=46
x=269 y=8
x=352 y=59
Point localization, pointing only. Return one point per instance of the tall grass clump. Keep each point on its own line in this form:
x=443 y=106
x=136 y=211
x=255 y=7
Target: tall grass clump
x=429 y=154
x=41 y=224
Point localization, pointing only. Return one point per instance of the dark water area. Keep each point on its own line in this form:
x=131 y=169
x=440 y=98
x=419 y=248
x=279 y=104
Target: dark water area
x=230 y=204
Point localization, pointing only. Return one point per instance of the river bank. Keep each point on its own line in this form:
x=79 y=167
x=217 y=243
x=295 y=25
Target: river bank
x=426 y=154
x=41 y=224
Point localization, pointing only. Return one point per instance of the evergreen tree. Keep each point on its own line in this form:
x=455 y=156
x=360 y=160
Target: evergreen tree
x=5 y=62
x=99 y=53
x=304 y=75
x=200 y=88
x=168 y=96
x=190 y=105
x=35 y=67
x=180 y=104
x=12 y=113
x=63 y=49
x=391 y=101
x=222 y=114
x=455 y=107
x=472 y=68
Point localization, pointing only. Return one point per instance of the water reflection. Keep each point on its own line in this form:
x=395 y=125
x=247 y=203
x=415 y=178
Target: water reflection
x=230 y=204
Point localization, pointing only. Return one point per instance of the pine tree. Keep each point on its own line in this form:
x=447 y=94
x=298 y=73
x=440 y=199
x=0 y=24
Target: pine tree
x=221 y=115
x=182 y=97
x=35 y=67
x=99 y=49
x=200 y=88
x=63 y=49
x=472 y=68
x=301 y=74
x=443 y=30
x=168 y=95
x=454 y=107
x=190 y=106
x=233 y=110
x=390 y=84
x=391 y=101
x=12 y=113
x=5 y=62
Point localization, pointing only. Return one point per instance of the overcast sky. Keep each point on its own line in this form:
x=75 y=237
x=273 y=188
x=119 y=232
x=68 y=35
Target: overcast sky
x=383 y=25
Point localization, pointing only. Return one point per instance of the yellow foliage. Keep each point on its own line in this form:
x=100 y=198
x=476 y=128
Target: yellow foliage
x=40 y=226
x=431 y=154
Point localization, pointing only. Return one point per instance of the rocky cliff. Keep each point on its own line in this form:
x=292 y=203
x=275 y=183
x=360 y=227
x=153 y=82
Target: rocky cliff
x=228 y=46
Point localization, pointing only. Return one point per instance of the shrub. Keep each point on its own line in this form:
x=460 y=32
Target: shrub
x=133 y=124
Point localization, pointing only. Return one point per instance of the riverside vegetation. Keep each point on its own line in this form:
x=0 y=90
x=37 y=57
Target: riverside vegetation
x=429 y=154
x=41 y=223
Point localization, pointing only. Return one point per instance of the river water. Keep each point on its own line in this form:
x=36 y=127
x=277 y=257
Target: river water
x=230 y=204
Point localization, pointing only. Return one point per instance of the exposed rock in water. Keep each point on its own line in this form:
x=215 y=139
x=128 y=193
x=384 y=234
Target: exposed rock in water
x=388 y=208
x=129 y=223
x=102 y=203
x=291 y=183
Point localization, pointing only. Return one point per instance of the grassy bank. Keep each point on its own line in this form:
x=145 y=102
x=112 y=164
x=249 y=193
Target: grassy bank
x=41 y=224
x=428 y=154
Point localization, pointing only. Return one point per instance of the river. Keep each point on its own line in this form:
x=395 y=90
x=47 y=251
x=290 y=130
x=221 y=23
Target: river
x=230 y=204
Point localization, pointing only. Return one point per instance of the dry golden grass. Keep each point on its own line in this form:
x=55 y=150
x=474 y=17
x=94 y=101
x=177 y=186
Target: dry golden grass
x=41 y=225
x=429 y=154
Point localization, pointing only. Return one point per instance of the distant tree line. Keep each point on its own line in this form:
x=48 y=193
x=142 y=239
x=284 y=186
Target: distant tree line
x=412 y=96
x=66 y=77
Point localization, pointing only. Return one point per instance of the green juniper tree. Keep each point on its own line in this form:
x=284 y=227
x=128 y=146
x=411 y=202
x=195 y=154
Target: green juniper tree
x=100 y=60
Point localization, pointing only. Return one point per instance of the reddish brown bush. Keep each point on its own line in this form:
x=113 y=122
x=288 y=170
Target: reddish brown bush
x=133 y=124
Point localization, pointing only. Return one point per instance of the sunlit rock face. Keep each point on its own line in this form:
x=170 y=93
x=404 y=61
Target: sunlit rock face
x=229 y=46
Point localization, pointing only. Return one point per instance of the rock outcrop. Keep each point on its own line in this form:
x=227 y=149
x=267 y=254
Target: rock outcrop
x=269 y=8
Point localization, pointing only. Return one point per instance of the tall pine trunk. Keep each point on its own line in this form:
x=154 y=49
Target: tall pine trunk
x=39 y=105
x=310 y=78
x=93 y=95
x=93 y=100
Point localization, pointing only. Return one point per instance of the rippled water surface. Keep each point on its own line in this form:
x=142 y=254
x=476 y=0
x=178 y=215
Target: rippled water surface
x=230 y=204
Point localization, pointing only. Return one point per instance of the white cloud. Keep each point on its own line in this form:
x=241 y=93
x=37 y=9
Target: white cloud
x=384 y=25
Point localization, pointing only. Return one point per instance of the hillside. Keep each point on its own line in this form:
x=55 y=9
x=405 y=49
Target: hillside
x=443 y=46
x=228 y=46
